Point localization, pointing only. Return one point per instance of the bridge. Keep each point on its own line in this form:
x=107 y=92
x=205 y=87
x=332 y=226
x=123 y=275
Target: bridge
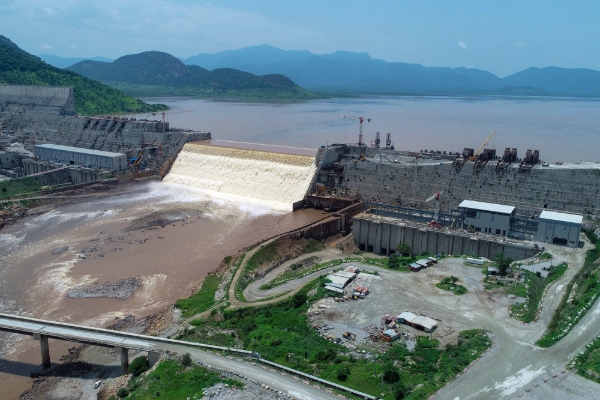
x=42 y=330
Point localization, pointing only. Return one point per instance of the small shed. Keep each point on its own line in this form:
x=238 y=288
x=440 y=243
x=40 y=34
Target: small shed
x=433 y=259
x=406 y=317
x=425 y=262
x=389 y=335
x=492 y=271
x=425 y=323
x=337 y=281
x=334 y=289
x=414 y=267
x=351 y=268
x=345 y=274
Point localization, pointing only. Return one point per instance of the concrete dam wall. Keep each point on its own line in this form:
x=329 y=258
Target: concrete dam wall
x=572 y=189
x=278 y=179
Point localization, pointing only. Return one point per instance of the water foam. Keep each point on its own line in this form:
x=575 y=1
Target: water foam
x=275 y=179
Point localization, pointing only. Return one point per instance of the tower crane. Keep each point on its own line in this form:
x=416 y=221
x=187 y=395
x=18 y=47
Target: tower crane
x=474 y=156
x=164 y=114
x=436 y=196
x=361 y=120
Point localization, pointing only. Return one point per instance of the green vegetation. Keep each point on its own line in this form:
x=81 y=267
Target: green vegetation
x=16 y=187
x=139 y=366
x=579 y=296
x=202 y=300
x=18 y=67
x=587 y=362
x=292 y=273
x=280 y=333
x=403 y=249
x=269 y=254
x=449 y=284
x=166 y=382
x=502 y=263
x=544 y=256
x=154 y=73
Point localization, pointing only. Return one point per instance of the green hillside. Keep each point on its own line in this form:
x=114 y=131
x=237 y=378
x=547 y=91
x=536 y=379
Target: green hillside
x=18 y=67
x=156 y=73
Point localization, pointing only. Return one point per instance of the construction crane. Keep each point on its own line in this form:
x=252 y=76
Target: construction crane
x=474 y=156
x=361 y=120
x=436 y=196
x=164 y=114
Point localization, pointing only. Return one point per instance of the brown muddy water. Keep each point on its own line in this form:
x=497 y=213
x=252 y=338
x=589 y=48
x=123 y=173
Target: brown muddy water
x=171 y=259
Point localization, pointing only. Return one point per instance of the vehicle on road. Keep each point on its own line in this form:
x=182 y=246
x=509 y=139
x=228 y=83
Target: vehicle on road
x=98 y=383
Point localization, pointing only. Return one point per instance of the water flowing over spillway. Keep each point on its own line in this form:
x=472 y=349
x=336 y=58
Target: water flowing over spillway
x=274 y=178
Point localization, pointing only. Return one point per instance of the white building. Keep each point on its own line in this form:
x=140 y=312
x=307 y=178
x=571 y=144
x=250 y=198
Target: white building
x=559 y=228
x=488 y=217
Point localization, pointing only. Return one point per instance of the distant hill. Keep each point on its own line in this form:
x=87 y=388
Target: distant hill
x=64 y=62
x=157 y=73
x=17 y=67
x=350 y=72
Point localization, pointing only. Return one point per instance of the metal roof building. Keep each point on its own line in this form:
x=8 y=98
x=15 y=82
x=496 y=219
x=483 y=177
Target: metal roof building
x=490 y=207
x=67 y=155
x=488 y=217
x=559 y=228
x=337 y=281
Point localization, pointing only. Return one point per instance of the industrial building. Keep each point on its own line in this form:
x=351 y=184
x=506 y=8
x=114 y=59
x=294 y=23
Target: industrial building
x=417 y=321
x=67 y=155
x=559 y=228
x=488 y=217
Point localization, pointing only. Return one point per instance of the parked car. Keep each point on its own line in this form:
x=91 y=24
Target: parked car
x=98 y=383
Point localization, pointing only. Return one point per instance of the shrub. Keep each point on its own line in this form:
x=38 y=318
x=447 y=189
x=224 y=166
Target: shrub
x=186 y=360
x=122 y=393
x=403 y=248
x=342 y=373
x=139 y=366
x=394 y=261
x=299 y=299
x=390 y=373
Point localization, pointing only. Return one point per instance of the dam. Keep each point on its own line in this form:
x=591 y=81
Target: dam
x=275 y=178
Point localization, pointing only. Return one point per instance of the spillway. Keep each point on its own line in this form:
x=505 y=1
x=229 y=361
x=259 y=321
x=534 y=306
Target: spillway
x=274 y=178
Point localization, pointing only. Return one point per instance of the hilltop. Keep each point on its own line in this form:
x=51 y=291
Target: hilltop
x=17 y=67
x=350 y=72
x=157 y=73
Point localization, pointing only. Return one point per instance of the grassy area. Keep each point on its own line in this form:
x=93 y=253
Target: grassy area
x=166 y=382
x=579 y=296
x=587 y=362
x=545 y=256
x=451 y=287
x=291 y=274
x=533 y=291
x=269 y=254
x=202 y=300
x=281 y=333
x=15 y=187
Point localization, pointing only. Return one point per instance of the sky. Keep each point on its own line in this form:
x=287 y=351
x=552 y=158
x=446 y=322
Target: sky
x=502 y=37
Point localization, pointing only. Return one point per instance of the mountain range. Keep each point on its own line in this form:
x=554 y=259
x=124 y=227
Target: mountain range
x=358 y=72
x=17 y=67
x=154 y=73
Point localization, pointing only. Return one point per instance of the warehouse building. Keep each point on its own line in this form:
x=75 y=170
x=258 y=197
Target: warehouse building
x=67 y=155
x=559 y=228
x=488 y=217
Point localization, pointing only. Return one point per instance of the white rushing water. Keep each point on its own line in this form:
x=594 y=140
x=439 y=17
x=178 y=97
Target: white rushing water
x=237 y=174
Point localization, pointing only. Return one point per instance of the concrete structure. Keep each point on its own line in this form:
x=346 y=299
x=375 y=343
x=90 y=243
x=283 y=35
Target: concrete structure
x=51 y=100
x=68 y=155
x=393 y=179
x=488 y=217
x=381 y=235
x=559 y=228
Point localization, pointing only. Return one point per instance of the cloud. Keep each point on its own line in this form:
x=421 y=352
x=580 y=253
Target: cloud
x=49 y=11
x=45 y=47
x=519 y=44
x=462 y=45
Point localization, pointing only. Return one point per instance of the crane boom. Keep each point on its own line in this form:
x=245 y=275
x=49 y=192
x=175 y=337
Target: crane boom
x=474 y=156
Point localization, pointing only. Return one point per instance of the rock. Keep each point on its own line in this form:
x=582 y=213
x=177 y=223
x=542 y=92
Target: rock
x=60 y=249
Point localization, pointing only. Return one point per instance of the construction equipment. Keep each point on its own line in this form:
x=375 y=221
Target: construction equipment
x=474 y=156
x=361 y=120
x=164 y=114
x=388 y=141
x=138 y=160
x=349 y=336
x=435 y=197
x=377 y=141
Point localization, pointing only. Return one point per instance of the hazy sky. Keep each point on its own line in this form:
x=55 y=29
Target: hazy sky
x=502 y=37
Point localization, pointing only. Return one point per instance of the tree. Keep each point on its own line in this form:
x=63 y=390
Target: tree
x=394 y=261
x=453 y=279
x=139 y=366
x=446 y=281
x=342 y=373
x=403 y=248
x=400 y=391
x=390 y=373
x=502 y=263
x=299 y=299
x=186 y=360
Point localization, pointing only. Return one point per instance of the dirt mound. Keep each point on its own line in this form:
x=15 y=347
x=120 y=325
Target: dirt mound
x=162 y=218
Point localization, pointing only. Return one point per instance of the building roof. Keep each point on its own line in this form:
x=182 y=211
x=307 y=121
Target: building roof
x=425 y=322
x=79 y=150
x=345 y=274
x=415 y=265
x=562 y=217
x=390 y=332
x=424 y=261
x=334 y=289
x=407 y=316
x=478 y=205
x=338 y=280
